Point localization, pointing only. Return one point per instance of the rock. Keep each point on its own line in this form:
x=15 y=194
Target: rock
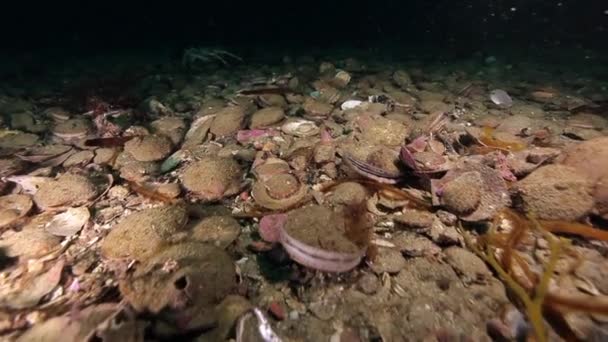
x=316 y=109
x=556 y=192
x=228 y=312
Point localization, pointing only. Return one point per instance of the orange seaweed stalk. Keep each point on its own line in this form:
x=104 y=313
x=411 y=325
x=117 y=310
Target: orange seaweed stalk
x=574 y=228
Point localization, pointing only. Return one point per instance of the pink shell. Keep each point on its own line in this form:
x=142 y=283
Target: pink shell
x=271 y=226
x=319 y=259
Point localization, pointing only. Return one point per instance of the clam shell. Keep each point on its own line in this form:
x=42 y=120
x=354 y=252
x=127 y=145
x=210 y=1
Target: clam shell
x=300 y=128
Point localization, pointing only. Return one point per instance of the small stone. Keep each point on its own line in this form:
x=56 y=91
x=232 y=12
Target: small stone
x=294 y=315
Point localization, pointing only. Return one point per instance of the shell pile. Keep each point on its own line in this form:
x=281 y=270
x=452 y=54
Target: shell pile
x=339 y=197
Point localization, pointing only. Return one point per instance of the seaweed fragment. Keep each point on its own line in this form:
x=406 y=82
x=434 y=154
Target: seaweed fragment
x=531 y=289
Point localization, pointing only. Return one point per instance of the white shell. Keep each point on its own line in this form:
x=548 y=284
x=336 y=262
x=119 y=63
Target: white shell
x=300 y=128
x=501 y=98
x=350 y=104
x=69 y=222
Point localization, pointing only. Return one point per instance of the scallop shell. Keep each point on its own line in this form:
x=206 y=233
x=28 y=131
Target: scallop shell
x=69 y=222
x=300 y=128
x=279 y=192
x=13 y=207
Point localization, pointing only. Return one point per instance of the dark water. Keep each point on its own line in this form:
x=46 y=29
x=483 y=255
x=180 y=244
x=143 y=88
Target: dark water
x=461 y=28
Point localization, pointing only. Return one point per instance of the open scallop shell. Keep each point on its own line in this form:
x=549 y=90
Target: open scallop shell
x=279 y=192
x=300 y=128
x=68 y=222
